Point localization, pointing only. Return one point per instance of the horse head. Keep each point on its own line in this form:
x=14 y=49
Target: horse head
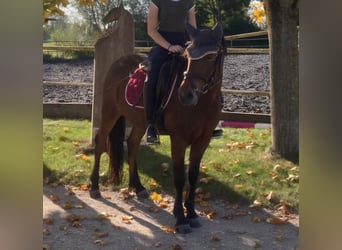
x=205 y=61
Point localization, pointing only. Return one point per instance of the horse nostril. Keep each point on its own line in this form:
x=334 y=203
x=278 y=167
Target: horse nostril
x=190 y=96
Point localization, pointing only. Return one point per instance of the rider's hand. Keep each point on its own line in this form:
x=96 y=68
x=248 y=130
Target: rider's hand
x=176 y=49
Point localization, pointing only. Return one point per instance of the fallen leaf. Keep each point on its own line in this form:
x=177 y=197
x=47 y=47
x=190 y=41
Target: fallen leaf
x=203 y=168
x=155 y=197
x=76 y=143
x=152 y=182
x=157 y=244
x=127 y=219
x=204 y=203
x=76 y=224
x=210 y=214
x=199 y=190
x=63 y=227
x=84 y=187
x=68 y=205
x=207 y=195
x=256 y=219
x=249 y=172
x=46 y=247
x=256 y=203
x=270 y=196
x=101 y=234
x=277 y=167
x=273 y=176
x=214 y=239
x=294 y=169
x=206 y=179
x=46 y=232
x=153 y=209
x=168 y=229
x=239 y=186
x=73 y=217
x=176 y=247
x=163 y=204
x=100 y=242
x=276 y=221
x=237 y=175
x=127 y=193
x=293 y=178
x=241 y=213
x=54 y=197
x=83 y=157
x=103 y=216
x=228 y=217
x=78 y=206
x=48 y=221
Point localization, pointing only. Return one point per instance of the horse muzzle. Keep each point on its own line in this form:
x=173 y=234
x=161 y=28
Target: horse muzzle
x=187 y=95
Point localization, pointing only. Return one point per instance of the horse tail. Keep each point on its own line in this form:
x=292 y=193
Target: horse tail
x=116 y=151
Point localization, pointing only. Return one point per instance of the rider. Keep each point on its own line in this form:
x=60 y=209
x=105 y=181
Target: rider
x=166 y=26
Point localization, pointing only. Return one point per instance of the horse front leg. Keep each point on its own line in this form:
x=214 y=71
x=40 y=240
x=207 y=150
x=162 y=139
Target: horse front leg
x=133 y=144
x=178 y=154
x=196 y=153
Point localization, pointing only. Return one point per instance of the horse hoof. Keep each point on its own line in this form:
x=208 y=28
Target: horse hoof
x=142 y=195
x=194 y=222
x=95 y=194
x=183 y=229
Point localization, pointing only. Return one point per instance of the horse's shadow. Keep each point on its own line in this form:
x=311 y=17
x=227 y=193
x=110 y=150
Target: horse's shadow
x=155 y=170
x=78 y=220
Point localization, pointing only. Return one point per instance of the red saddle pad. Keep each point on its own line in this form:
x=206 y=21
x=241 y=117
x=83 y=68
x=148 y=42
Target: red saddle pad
x=135 y=87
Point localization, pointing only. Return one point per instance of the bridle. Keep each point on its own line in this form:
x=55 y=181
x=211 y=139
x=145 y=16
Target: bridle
x=215 y=76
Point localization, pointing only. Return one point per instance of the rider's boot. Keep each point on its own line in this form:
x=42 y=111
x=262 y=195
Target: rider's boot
x=152 y=134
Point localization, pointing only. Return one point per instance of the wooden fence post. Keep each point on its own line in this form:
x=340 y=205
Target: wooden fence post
x=115 y=42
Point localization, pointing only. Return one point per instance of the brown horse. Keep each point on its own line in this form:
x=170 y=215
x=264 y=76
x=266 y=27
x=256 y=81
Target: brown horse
x=189 y=119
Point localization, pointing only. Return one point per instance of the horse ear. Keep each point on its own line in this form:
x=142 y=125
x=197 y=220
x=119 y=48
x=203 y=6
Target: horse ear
x=217 y=30
x=192 y=31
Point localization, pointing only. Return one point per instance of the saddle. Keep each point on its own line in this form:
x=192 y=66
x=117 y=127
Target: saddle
x=170 y=77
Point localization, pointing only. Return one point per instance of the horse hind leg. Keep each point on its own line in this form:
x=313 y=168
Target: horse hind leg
x=100 y=148
x=133 y=144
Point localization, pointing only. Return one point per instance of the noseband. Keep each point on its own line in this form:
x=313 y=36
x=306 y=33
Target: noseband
x=210 y=81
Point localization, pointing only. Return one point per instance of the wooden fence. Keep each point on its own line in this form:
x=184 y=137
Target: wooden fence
x=231 y=116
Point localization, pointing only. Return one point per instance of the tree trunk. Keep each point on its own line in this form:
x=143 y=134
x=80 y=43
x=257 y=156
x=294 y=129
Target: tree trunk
x=282 y=17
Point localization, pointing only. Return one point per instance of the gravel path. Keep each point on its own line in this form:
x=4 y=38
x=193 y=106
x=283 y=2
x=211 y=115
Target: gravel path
x=241 y=72
x=72 y=220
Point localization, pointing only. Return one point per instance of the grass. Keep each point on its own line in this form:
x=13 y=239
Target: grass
x=237 y=167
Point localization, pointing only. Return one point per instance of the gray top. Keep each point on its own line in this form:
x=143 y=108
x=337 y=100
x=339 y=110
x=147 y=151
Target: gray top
x=173 y=14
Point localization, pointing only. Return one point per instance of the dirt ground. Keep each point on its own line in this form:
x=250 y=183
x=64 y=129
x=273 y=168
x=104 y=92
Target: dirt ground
x=73 y=220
